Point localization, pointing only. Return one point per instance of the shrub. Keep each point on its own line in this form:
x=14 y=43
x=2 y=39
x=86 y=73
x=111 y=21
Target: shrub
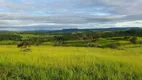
x=133 y=40
x=114 y=45
x=58 y=41
x=117 y=38
x=126 y=37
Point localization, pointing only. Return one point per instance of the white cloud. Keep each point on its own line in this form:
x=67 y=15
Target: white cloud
x=72 y=13
x=137 y=23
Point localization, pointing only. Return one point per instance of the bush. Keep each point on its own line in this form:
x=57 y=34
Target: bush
x=133 y=40
x=114 y=46
x=126 y=37
x=59 y=40
x=117 y=38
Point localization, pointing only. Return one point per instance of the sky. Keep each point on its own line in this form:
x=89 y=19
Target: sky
x=65 y=14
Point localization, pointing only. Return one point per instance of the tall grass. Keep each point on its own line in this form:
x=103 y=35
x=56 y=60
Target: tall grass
x=70 y=63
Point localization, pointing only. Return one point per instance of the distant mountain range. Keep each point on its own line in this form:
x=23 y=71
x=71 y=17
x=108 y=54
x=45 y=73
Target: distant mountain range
x=77 y=30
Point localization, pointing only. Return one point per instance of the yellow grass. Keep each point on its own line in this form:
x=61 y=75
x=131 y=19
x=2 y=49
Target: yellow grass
x=68 y=58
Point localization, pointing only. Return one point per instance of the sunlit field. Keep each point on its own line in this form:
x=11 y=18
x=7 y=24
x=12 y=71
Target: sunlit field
x=70 y=63
x=71 y=40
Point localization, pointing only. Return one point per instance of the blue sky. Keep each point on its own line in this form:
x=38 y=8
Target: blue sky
x=59 y=14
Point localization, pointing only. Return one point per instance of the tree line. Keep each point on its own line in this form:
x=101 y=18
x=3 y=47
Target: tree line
x=86 y=37
x=10 y=37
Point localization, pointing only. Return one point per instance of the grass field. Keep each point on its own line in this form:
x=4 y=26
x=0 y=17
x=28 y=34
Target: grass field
x=70 y=63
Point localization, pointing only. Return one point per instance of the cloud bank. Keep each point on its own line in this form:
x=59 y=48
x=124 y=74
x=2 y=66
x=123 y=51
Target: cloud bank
x=59 y=14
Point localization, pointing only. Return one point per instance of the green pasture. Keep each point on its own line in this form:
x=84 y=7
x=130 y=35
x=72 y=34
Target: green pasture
x=70 y=63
